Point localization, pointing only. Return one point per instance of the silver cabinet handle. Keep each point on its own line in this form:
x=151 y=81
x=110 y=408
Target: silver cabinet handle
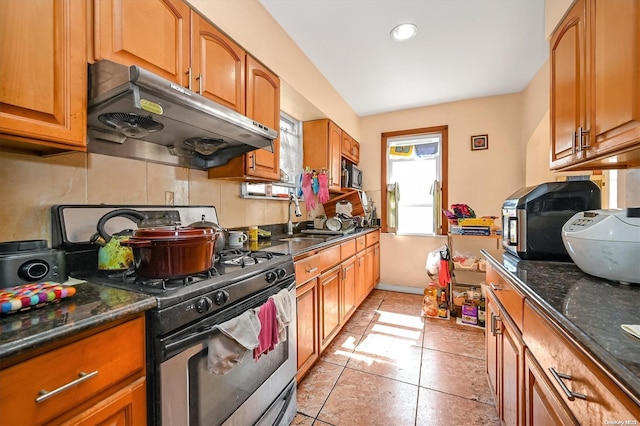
x=494 y=328
x=312 y=269
x=582 y=135
x=82 y=377
x=495 y=287
x=190 y=74
x=199 y=78
x=253 y=162
x=570 y=394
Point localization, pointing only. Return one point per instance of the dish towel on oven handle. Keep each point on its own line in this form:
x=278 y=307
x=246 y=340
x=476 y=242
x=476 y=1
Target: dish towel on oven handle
x=268 y=336
x=237 y=336
x=282 y=301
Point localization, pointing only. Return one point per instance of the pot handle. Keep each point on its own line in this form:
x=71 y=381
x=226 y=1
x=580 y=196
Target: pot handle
x=136 y=243
x=133 y=215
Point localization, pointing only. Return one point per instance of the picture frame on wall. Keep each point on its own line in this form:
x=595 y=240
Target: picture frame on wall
x=479 y=142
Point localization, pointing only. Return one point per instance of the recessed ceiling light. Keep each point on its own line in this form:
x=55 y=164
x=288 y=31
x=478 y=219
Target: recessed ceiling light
x=404 y=32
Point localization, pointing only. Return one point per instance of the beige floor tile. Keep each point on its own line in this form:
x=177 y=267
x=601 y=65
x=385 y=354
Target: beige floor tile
x=369 y=305
x=459 y=340
x=316 y=386
x=359 y=322
x=397 y=326
x=366 y=399
x=436 y=409
x=392 y=360
x=341 y=349
x=454 y=374
x=302 y=420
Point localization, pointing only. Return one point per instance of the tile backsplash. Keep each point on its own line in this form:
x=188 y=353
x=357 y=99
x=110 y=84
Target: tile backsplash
x=31 y=185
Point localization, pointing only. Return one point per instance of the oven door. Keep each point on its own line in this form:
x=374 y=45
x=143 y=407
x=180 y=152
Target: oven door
x=252 y=392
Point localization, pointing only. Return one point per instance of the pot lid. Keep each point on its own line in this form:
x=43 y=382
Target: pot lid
x=173 y=233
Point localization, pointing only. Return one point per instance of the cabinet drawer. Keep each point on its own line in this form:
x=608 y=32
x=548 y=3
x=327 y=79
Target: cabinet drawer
x=508 y=296
x=372 y=238
x=347 y=249
x=312 y=266
x=87 y=367
x=604 y=402
x=361 y=243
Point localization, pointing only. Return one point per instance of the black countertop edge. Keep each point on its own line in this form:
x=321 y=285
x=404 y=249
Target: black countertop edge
x=612 y=367
x=92 y=305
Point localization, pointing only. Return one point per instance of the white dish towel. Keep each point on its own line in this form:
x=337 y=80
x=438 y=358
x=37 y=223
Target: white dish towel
x=237 y=336
x=633 y=330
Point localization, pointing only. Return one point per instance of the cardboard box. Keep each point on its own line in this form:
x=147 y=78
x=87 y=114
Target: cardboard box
x=470 y=314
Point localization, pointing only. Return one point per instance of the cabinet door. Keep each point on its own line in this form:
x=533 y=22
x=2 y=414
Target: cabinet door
x=568 y=86
x=542 y=405
x=126 y=407
x=346 y=145
x=376 y=264
x=218 y=65
x=368 y=268
x=361 y=285
x=615 y=106
x=44 y=66
x=263 y=105
x=307 y=326
x=329 y=306
x=511 y=367
x=153 y=34
x=355 y=151
x=348 y=288
x=335 y=168
x=491 y=344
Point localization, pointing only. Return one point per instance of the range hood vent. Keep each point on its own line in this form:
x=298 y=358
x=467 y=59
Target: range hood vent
x=134 y=113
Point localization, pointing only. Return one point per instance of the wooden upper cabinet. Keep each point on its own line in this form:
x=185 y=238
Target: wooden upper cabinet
x=615 y=106
x=153 y=34
x=568 y=86
x=595 y=89
x=262 y=105
x=43 y=95
x=350 y=148
x=322 y=140
x=218 y=65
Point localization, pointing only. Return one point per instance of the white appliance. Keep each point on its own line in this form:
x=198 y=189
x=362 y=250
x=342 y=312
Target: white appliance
x=605 y=243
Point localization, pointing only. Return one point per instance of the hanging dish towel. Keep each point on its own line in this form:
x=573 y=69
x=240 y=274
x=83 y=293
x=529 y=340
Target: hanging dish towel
x=283 y=312
x=237 y=336
x=268 y=336
x=393 y=198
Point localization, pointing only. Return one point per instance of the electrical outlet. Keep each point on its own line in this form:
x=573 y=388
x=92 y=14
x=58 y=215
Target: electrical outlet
x=168 y=198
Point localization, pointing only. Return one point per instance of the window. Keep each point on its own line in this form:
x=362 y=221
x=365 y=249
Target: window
x=414 y=181
x=290 y=163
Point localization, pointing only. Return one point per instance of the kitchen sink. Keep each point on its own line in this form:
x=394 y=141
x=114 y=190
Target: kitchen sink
x=304 y=239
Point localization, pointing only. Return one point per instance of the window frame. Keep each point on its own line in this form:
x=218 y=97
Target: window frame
x=444 y=130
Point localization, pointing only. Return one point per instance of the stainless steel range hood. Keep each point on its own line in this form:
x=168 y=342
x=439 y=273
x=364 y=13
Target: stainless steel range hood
x=134 y=113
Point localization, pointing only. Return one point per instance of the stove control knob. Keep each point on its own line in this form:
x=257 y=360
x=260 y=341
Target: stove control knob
x=271 y=277
x=220 y=297
x=281 y=273
x=203 y=305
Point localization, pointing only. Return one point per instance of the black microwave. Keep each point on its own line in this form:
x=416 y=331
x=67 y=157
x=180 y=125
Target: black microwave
x=352 y=177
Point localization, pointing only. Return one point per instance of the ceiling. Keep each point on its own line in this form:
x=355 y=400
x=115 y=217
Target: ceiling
x=464 y=48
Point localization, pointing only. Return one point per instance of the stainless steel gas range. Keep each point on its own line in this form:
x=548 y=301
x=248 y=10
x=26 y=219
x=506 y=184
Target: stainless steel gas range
x=183 y=328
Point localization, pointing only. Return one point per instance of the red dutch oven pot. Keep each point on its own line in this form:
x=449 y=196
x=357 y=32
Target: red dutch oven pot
x=172 y=252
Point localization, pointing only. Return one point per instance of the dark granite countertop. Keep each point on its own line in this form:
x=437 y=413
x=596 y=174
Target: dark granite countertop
x=302 y=243
x=91 y=306
x=589 y=309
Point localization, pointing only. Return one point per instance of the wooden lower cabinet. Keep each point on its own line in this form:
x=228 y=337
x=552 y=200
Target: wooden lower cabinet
x=348 y=289
x=307 y=326
x=543 y=405
x=104 y=374
x=361 y=286
x=330 y=320
x=505 y=351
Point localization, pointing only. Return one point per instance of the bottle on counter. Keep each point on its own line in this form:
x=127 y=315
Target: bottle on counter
x=253 y=233
x=481 y=313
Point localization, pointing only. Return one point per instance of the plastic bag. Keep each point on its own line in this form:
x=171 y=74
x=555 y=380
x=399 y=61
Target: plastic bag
x=433 y=262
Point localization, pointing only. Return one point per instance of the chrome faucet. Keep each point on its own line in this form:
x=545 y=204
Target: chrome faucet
x=294 y=199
